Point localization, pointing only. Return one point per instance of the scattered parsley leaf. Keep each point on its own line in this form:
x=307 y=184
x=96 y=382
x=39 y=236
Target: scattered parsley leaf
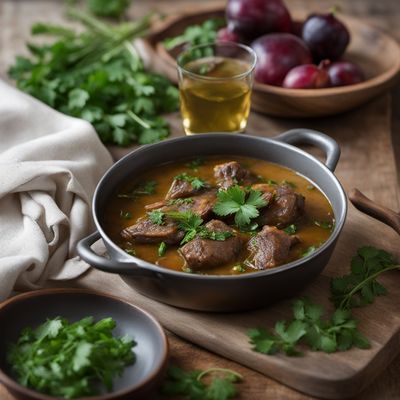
x=70 y=360
x=238 y=268
x=291 y=229
x=190 y=385
x=212 y=235
x=143 y=189
x=360 y=287
x=338 y=333
x=162 y=249
x=187 y=200
x=156 y=217
x=197 y=183
x=131 y=252
x=269 y=182
x=243 y=204
x=289 y=183
x=195 y=164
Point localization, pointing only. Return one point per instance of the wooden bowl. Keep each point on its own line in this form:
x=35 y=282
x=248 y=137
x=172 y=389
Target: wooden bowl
x=31 y=309
x=374 y=51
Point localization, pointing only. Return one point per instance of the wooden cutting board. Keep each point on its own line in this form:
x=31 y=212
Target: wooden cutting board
x=368 y=163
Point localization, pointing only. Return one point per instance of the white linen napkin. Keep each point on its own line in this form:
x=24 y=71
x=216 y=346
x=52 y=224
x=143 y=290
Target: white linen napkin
x=49 y=166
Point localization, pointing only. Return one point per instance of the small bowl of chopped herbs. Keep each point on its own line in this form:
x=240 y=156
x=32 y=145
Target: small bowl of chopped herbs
x=72 y=343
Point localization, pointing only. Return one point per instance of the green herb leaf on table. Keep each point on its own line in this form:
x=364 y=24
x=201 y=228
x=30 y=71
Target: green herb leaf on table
x=197 y=34
x=360 y=286
x=243 y=204
x=98 y=75
x=338 y=333
x=70 y=360
x=157 y=217
x=196 y=182
x=190 y=384
x=143 y=189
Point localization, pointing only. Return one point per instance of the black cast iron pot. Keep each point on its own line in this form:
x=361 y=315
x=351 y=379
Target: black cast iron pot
x=220 y=293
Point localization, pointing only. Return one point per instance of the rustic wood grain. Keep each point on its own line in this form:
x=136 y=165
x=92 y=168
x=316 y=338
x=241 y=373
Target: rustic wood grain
x=15 y=20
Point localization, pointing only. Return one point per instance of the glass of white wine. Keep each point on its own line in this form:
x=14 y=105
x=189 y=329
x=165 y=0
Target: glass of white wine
x=215 y=83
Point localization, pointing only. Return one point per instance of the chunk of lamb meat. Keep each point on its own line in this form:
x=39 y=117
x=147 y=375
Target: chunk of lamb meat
x=232 y=173
x=270 y=248
x=201 y=254
x=145 y=231
x=287 y=207
x=201 y=205
x=181 y=189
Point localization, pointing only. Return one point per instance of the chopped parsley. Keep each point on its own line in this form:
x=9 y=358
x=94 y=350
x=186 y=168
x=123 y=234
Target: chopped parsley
x=269 y=182
x=291 y=229
x=239 y=202
x=308 y=251
x=195 y=164
x=162 y=248
x=131 y=252
x=324 y=224
x=157 y=217
x=289 y=183
x=70 y=360
x=143 y=189
x=238 y=268
x=178 y=202
x=196 y=182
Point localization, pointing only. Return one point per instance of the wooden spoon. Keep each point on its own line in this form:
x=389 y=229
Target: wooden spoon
x=374 y=210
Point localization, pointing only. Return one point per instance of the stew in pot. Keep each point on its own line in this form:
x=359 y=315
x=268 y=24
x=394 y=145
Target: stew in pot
x=219 y=215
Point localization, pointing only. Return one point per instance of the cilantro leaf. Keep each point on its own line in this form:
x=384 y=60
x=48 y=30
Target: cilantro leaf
x=196 y=182
x=291 y=229
x=360 y=286
x=238 y=201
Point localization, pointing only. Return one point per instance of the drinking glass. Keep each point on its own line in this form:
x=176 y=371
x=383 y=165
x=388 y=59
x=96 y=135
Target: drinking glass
x=215 y=82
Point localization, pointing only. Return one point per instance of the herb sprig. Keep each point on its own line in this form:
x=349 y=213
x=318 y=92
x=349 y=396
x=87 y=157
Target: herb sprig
x=328 y=335
x=191 y=224
x=190 y=384
x=360 y=286
x=196 y=182
x=69 y=360
x=98 y=75
x=143 y=189
x=239 y=202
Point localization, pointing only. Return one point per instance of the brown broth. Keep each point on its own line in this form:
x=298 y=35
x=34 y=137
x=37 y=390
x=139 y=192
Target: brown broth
x=317 y=208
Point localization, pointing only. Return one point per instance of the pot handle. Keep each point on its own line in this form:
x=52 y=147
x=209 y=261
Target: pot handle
x=318 y=139
x=104 y=264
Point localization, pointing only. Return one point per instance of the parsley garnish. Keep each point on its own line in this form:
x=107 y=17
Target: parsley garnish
x=195 y=164
x=243 y=204
x=162 y=249
x=291 y=229
x=238 y=268
x=131 y=252
x=289 y=183
x=197 y=34
x=143 y=189
x=156 y=217
x=190 y=384
x=70 y=360
x=197 y=183
x=360 y=287
x=191 y=224
x=328 y=335
x=95 y=73
x=187 y=200
x=269 y=182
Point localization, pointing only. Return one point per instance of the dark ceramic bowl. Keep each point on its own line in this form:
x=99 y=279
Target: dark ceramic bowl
x=33 y=308
x=220 y=293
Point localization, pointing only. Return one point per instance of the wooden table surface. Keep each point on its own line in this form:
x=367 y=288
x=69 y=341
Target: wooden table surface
x=16 y=17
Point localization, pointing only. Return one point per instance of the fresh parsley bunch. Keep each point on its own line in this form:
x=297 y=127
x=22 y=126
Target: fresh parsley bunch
x=70 y=360
x=190 y=385
x=98 y=75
